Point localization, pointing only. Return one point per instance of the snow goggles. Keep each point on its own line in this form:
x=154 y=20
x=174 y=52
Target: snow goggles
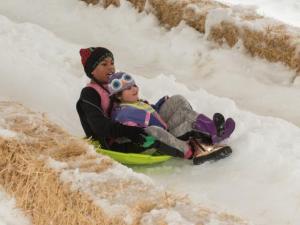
x=120 y=81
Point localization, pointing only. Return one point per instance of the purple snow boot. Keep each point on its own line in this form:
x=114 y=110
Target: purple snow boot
x=205 y=125
x=218 y=129
x=229 y=127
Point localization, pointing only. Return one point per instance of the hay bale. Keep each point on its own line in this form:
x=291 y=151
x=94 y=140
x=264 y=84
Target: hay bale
x=68 y=151
x=273 y=44
x=169 y=13
x=282 y=47
x=93 y=2
x=47 y=199
x=36 y=187
x=225 y=33
x=104 y=3
x=195 y=19
x=196 y=11
x=39 y=192
x=138 y=4
x=107 y=3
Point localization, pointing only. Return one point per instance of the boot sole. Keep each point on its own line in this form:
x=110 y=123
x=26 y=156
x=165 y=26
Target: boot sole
x=214 y=156
x=219 y=122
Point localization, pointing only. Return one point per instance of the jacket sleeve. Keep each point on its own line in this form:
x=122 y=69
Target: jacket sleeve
x=99 y=125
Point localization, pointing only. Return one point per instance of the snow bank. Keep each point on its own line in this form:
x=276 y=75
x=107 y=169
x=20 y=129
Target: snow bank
x=260 y=36
x=24 y=176
x=286 y=11
x=9 y=214
x=58 y=179
x=41 y=68
x=50 y=79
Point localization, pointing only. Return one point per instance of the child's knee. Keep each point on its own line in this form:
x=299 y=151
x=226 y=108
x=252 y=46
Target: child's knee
x=177 y=99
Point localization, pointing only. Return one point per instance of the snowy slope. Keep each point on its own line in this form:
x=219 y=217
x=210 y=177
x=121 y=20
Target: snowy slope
x=142 y=47
x=286 y=11
x=40 y=67
x=9 y=214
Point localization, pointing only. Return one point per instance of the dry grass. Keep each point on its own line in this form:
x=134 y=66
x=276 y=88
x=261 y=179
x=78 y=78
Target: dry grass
x=226 y=32
x=171 y=13
x=39 y=192
x=48 y=200
x=271 y=44
x=104 y=3
x=37 y=188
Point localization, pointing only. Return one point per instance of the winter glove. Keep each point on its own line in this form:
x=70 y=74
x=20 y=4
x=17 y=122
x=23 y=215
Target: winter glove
x=149 y=141
x=135 y=134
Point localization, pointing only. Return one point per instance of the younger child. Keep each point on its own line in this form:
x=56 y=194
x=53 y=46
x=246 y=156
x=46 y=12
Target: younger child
x=171 y=121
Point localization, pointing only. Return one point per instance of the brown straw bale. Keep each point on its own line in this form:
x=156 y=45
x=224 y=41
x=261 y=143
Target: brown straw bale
x=225 y=217
x=107 y=3
x=275 y=47
x=295 y=62
x=37 y=188
x=195 y=13
x=273 y=44
x=104 y=3
x=195 y=19
x=74 y=153
x=138 y=4
x=140 y=208
x=93 y=2
x=46 y=199
x=109 y=189
x=163 y=200
x=89 y=165
x=249 y=17
x=39 y=192
x=68 y=150
x=169 y=13
x=225 y=32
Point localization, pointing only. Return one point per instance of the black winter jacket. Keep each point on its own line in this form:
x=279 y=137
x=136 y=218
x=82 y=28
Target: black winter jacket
x=98 y=126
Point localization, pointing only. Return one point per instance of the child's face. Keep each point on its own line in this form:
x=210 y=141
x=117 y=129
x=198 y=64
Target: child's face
x=103 y=70
x=130 y=94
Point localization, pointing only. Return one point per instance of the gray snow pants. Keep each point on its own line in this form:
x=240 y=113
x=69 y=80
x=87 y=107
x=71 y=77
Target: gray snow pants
x=179 y=116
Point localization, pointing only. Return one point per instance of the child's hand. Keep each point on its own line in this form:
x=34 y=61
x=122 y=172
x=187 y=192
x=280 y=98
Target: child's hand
x=149 y=141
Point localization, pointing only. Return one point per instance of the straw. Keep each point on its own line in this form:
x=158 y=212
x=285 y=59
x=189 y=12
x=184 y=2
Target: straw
x=276 y=43
x=39 y=192
x=26 y=175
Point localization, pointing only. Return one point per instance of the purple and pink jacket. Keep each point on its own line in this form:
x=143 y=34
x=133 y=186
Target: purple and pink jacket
x=139 y=114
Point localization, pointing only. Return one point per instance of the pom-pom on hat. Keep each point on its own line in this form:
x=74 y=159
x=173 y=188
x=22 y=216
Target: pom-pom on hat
x=91 y=57
x=119 y=81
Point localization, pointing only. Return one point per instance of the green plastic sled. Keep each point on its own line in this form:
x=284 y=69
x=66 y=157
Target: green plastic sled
x=131 y=158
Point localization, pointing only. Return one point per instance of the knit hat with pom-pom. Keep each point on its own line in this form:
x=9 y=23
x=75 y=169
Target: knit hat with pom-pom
x=91 y=57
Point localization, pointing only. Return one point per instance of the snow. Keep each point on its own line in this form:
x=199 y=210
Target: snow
x=215 y=17
x=9 y=214
x=6 y=133
x=113 y=189
x=172 y=217
x=40 y=67
x=286 y=11
x=235 y=13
